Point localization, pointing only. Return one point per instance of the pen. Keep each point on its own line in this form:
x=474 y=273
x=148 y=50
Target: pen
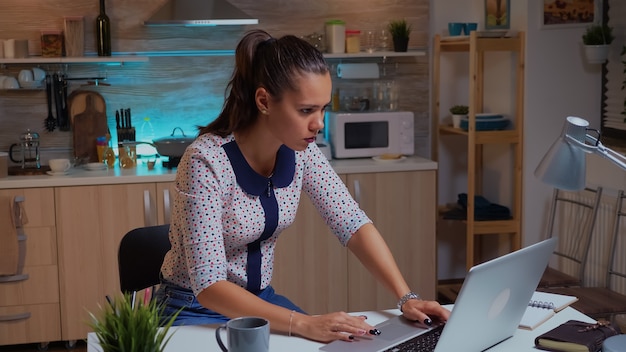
x=110 y=302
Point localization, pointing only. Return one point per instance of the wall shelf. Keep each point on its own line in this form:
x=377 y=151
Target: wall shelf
x=112 y=60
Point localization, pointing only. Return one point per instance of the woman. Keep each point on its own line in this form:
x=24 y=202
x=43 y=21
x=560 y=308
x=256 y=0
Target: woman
x=238 y=186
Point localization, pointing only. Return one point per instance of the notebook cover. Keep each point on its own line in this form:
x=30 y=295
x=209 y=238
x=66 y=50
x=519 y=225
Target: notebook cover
x=576 y=335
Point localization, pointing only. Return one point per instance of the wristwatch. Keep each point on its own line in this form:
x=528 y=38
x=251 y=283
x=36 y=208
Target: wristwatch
x=405 y=298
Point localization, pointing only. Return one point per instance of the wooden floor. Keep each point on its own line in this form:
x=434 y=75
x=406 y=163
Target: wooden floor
x=81 y=346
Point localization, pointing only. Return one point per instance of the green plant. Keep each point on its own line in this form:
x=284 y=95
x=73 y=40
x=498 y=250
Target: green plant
x=459 y=110
x=124 y=327
x=598 y=35
x=399 y=28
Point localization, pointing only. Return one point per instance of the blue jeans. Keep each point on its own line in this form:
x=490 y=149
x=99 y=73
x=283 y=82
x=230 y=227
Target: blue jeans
x=175 y=298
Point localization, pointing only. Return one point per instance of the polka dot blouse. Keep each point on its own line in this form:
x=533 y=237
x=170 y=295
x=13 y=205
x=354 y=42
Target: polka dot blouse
x=218 y=213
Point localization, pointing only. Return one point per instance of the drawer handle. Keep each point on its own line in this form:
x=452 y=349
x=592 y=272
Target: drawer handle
x=13 y=278
x=147 y=208
x=14 y=317
x=166 y=206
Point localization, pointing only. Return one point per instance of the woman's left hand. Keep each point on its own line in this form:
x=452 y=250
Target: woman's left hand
x=425 y=311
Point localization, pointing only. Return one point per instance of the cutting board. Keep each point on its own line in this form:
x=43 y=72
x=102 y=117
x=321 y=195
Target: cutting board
x=89 y=120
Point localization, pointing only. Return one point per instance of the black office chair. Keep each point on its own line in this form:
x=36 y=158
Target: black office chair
x=140 y=257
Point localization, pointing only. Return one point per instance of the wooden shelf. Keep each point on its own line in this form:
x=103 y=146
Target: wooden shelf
x=116 y=60
x=476 y=48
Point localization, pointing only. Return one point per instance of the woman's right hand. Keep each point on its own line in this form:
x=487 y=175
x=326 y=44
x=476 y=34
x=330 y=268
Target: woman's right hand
x=330 y=327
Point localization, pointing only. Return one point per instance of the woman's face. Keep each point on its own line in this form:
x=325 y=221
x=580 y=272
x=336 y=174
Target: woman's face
x=296 y=119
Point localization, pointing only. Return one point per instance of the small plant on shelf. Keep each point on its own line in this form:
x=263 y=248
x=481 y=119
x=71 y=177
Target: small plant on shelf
x=126 y=326
x=459 y=110
x=400 y=31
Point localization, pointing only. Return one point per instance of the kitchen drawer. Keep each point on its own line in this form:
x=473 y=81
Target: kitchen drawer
x=42 y=286
x=43 y=325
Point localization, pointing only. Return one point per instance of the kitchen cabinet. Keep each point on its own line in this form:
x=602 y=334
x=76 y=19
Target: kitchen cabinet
x=477 y=139
x=402 y=205
x=29 y=309
x=317 y=273
x=310 y=264
x=91 y=222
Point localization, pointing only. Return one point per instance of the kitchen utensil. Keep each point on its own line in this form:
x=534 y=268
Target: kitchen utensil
x=173 y=145
x=87 y=112
x=49 y=122
x=29 y=150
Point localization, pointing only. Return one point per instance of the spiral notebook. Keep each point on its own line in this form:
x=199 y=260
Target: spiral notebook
x=543 y=306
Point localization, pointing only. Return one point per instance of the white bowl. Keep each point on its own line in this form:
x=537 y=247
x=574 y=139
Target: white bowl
x=38 y=74
x=10 y=83
x=25 y=76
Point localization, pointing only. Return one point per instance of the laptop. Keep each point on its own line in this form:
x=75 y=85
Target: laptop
x=487 y=311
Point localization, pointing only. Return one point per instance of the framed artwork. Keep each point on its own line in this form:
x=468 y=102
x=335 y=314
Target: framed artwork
x=570 y=13
x=497 y=14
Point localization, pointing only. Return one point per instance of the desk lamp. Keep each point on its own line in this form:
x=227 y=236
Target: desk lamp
x=564 y=167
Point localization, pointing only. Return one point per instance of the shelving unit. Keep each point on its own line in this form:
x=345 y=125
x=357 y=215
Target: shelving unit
x=477 y=48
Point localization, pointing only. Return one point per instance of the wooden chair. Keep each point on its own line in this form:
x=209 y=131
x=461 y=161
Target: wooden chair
x=140 y=257
x=573 y=221
x=605 y=302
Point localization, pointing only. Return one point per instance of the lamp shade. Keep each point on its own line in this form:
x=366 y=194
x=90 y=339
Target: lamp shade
x=564 y=165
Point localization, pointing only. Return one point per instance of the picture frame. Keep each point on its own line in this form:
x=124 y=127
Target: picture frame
x=556 y=14
x=497 y=14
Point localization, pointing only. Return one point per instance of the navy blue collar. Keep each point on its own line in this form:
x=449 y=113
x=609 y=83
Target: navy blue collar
x=255 y=184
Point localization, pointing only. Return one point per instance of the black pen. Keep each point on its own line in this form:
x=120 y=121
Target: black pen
x=110 y=301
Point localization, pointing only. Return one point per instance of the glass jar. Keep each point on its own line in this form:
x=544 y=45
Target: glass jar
x=353 y=41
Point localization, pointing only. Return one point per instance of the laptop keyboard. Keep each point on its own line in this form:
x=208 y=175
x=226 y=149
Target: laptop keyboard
x=425 y=342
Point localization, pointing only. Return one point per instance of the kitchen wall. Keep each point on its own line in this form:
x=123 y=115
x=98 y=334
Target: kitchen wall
x=187 y=91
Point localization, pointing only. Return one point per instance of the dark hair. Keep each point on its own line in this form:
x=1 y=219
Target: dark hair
x=263 y=61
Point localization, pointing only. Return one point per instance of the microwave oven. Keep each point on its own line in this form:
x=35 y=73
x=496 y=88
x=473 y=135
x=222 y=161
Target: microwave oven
x=368 y=134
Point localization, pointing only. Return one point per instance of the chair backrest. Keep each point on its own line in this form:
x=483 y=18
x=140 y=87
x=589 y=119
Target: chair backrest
x=617 y=262
x=572 y=218
x=140 y=257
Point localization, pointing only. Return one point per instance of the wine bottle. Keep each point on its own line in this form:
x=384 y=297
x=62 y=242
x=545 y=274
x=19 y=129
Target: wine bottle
x=103 y=32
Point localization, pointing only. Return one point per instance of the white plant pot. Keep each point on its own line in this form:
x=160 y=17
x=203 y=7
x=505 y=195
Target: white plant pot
x=456 y=120
x=596 y=54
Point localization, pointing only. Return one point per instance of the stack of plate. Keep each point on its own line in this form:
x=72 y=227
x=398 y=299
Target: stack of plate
x=487 y=122
x=95 y=166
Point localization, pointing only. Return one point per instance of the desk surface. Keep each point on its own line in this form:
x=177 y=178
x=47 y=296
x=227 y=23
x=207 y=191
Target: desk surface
x=189 y=338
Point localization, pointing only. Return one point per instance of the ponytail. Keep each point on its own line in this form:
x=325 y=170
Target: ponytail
x=263 y=61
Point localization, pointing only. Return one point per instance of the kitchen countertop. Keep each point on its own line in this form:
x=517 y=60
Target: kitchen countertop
x=141 y=174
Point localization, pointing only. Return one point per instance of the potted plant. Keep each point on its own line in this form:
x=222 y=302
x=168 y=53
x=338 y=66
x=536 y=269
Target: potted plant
x=458 y=112
x=124 y=326
x=596 y=40
x=400 y=31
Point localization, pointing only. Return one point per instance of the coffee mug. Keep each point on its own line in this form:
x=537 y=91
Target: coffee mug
x=456 y=28
x=59 y=165
x=245 y=334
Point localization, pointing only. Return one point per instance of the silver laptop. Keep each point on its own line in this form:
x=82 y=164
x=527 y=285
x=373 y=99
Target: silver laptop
x=490 y=305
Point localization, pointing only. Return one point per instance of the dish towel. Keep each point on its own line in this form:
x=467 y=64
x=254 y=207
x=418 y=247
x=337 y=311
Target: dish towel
x=483 y=210
x=12 y=217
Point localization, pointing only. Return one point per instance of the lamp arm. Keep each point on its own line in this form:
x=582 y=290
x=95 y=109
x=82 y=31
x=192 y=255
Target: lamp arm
x=617 y=158
x=598 y=148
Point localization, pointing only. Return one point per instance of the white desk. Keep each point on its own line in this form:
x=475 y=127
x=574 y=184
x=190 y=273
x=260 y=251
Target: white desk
x=202 y=337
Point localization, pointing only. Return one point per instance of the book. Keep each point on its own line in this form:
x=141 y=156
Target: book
x=543 y=306
x=576 y=336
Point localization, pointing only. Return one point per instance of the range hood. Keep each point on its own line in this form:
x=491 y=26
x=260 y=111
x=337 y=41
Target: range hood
x=199 y=13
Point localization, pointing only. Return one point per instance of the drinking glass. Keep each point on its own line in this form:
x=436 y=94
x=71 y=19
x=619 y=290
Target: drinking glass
x=370 y=41
x=383 y=39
